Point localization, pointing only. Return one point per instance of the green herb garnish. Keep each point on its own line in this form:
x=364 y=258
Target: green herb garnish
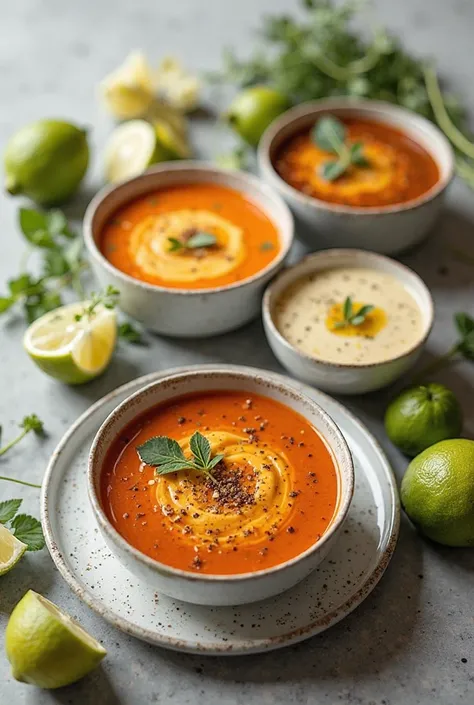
x=107 y=298
x=24 y=527
x=128 y=332
x=351 y=317
x=29 y=423
x=166 y=455
x=330 y=134
x=463 y=347
x=196 y=241
x=62 y=263
x=267 y=246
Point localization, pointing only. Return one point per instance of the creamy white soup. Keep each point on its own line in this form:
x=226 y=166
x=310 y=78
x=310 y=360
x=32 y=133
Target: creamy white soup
x=349 y=316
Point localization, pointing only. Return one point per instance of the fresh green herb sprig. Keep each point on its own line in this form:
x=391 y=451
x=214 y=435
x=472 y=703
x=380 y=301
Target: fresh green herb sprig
x=107 y=298
x=463 y=348
x=28 y=424
x=330 y=134
x=351 y=317
x=62 y=264
x=130 y=334
x=166 y=455
x=24 y=527
x=196 y=241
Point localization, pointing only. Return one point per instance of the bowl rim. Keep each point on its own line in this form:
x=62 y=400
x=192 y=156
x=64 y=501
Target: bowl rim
x=378 y=108
x=337 y=253
x=342 y=460
x=256 y=185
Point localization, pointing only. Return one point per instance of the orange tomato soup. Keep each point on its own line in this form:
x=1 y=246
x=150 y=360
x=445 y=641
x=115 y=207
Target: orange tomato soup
x=149 y=238
x=274 y=493
x=398 y=171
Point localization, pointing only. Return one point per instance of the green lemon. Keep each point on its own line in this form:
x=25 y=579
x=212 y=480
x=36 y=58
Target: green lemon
x=252 y=111
x=11 y=550
x=437 y=492
x=46 y=647
x=69 y=350
x=422 y=416
x=46 y=161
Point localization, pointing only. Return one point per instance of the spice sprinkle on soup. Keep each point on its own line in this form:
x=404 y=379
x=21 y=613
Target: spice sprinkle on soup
x=356 y=162
x=190 y=236
x=349 y=316
x=237 y=483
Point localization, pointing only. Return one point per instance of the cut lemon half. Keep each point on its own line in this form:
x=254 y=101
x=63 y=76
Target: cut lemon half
x=11 y=550
x=46 y=647
x=70 y=350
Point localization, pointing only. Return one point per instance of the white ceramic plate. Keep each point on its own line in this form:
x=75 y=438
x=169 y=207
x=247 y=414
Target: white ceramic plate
x=343 y=580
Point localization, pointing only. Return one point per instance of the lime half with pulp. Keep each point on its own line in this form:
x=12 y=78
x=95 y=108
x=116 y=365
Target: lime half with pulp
x=73 y=351
x=11 y=550
x=46 y=647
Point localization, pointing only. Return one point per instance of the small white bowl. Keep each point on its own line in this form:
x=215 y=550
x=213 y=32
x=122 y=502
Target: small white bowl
x=185 y=312
x=388 y=229
x=206 y=589
x=336 y=377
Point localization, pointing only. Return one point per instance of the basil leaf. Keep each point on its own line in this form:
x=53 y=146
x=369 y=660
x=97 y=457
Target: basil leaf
x=31 y=221
x=201 y=240
x=21 y=284
x=330 y=171
x=347 y=308
x=8 y=509
x=160 y=450
x=329 y=134
x=28 y=530
x=464 y=323
x=201 y=449
x=357 y=155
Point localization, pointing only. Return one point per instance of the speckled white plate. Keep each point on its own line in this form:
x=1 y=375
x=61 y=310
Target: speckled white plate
x=343 y=580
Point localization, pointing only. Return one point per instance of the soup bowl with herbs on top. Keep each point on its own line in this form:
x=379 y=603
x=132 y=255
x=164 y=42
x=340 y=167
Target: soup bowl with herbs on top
x=358 y=173
x=220 y=487
x=189 y=246
x=347 y=321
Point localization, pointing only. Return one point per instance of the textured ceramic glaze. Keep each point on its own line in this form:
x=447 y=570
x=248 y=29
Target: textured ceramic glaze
x=346 y=378
x=183 y=312
x=208 y=589
x=334 y=589
x=387 y=230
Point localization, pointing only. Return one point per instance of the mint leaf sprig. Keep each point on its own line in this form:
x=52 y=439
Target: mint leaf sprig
x=196 y=241
x=352 y=317
x=166 y=455
x=330 y=134
x=23 y=526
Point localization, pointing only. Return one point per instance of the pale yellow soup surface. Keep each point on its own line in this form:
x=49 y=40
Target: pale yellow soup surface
x=304 y=315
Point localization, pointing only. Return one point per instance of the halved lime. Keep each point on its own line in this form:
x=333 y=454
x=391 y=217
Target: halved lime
x=11 y=550
x=69 y=350
x=46 y=647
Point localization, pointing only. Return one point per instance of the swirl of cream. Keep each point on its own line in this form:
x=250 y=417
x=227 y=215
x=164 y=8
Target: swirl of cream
x=149 y=246
x=207 y=513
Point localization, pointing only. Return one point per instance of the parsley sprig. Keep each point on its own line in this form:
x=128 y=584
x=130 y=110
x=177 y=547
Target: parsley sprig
x=28 y=424
x=108 y=298
x=352 y=317
x=330 y=134
x=23 y=526
x=166 y=455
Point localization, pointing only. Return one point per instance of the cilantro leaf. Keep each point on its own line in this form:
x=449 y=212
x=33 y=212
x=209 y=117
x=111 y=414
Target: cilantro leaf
x=8 y=509
x=28 y=530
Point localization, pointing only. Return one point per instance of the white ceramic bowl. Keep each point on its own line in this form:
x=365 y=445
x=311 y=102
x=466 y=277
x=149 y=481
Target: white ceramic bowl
x=185 y=312
x=388 y=229
x=336 y=377
x=221 y=589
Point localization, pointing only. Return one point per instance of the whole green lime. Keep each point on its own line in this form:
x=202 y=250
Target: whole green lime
x=46 y=161
x=422 y=416
x=437 y=492
x=252 y=111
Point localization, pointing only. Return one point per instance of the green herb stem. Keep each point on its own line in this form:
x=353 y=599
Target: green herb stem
x=13 y=442
x=355 y=68
x=20 y=482
x=437 y=364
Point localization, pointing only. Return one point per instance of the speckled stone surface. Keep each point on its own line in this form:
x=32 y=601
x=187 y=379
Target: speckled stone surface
x=412 y=640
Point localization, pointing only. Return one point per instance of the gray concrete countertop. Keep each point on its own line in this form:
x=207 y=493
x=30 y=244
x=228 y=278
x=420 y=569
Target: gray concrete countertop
x=412 y=639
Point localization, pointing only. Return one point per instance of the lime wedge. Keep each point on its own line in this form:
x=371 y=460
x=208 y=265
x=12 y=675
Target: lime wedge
x=72 y=351
x=46 y=647
x=131 y=149
x=11 y=550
